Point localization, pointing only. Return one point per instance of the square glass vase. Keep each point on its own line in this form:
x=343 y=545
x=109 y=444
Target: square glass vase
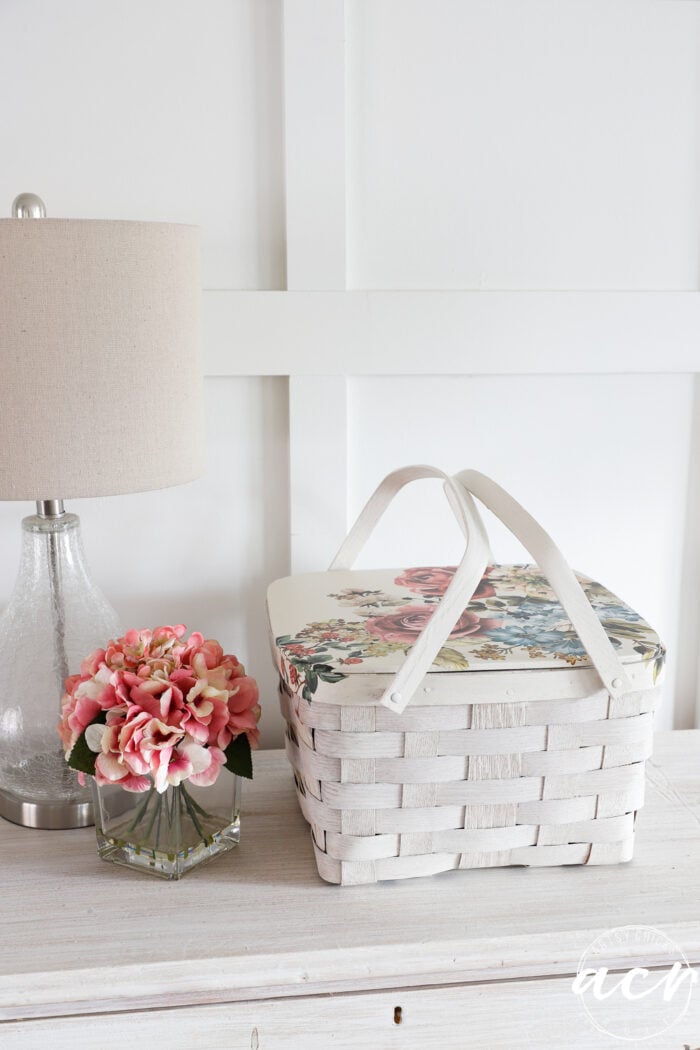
x=171 y=833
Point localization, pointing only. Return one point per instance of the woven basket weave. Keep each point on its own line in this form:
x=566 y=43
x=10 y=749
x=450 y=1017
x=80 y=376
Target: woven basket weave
x=543 y=766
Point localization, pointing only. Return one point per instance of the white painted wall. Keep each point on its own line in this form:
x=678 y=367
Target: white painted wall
x=376 y=144
x=523 y=144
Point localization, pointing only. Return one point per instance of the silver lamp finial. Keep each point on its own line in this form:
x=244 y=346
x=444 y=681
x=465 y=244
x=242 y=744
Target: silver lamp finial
x=28 y=206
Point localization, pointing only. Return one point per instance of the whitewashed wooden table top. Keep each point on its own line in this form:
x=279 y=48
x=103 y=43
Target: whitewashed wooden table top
x=81 y=936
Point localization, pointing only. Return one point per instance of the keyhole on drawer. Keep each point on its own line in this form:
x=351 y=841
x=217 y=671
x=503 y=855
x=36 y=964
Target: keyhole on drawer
x=398 y=1017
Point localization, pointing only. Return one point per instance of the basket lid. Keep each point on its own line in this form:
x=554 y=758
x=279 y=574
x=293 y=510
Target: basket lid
x=328 y=625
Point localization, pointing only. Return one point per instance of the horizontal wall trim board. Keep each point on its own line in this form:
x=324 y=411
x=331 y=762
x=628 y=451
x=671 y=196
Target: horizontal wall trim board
x=450 y=332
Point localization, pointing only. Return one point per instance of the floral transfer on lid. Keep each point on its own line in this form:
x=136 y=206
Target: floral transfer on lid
x=328 y=625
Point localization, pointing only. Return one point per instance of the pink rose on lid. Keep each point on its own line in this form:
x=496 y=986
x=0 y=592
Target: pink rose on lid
x=404 y=625
x=433 y=581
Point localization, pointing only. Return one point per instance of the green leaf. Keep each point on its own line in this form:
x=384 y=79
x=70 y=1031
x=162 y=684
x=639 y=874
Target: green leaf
x=621 y=628
x=311 y=680
x=451 y=660
x=238 y=757
x=327 y=673
x=331 y=677
x=81 y=757
x=310 y=660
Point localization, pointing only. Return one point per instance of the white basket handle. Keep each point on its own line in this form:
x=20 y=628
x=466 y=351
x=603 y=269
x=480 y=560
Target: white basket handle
x=460 y=500
x=466 y=579
x=460 y=591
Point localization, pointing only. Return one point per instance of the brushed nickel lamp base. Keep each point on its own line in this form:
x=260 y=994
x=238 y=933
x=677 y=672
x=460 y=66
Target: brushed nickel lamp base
x=52 y=816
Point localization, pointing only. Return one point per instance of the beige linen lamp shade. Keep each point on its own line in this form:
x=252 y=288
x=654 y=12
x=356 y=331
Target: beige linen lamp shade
x=100 y=364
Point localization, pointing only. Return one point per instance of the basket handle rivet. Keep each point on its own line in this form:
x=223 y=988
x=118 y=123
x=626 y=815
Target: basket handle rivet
x=395 y=698
x=616 y=683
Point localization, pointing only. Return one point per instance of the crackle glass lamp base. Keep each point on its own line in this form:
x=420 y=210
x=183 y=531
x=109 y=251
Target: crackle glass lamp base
x=55 y=617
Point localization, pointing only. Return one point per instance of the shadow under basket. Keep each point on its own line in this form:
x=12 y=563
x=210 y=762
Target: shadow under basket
x=171 y=833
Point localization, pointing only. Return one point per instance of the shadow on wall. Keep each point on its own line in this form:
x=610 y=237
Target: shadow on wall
x=226 y=538
x=686 y=692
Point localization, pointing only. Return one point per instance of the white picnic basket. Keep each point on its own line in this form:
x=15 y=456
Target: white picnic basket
x=428 y=731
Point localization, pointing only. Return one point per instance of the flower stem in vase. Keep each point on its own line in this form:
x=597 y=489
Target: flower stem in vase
x=190 y=809
x=138 y=816
x=160 y=816
x=168 y=833
x=155 y=812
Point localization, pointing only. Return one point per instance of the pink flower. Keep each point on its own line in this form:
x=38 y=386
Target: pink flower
x=209 y=775
x=244 y=710
x=85 y=698
x=205 y=656
x=432 y=582
x=138 y=649
x=172 y=707
x=90 y=666
x=127 y=782
x=204 y=711
x=404 y=625
x=110 y=766
x=76 y=718
x=159 y=736
x=429 y=581
x=188 y=761
x=130 y=740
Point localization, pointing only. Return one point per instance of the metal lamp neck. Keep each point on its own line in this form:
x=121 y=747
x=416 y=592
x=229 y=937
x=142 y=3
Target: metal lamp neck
x=50 y=508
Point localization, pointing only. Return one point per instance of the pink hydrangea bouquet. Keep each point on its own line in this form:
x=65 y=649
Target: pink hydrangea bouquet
x=155 y=709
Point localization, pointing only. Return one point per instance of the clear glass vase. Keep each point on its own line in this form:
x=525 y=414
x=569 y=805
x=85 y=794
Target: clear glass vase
x=55 y=617
x=167 y=834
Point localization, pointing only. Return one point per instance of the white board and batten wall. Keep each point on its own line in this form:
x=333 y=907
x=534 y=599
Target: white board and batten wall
x=463 y=233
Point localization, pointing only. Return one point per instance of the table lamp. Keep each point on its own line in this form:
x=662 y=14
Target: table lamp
x=100 y=394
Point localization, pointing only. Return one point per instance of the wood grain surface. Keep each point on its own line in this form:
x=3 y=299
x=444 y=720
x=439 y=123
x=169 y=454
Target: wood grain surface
x=81 y=937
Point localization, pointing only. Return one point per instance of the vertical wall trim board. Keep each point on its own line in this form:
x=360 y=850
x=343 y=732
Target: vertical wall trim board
x=314 y=84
